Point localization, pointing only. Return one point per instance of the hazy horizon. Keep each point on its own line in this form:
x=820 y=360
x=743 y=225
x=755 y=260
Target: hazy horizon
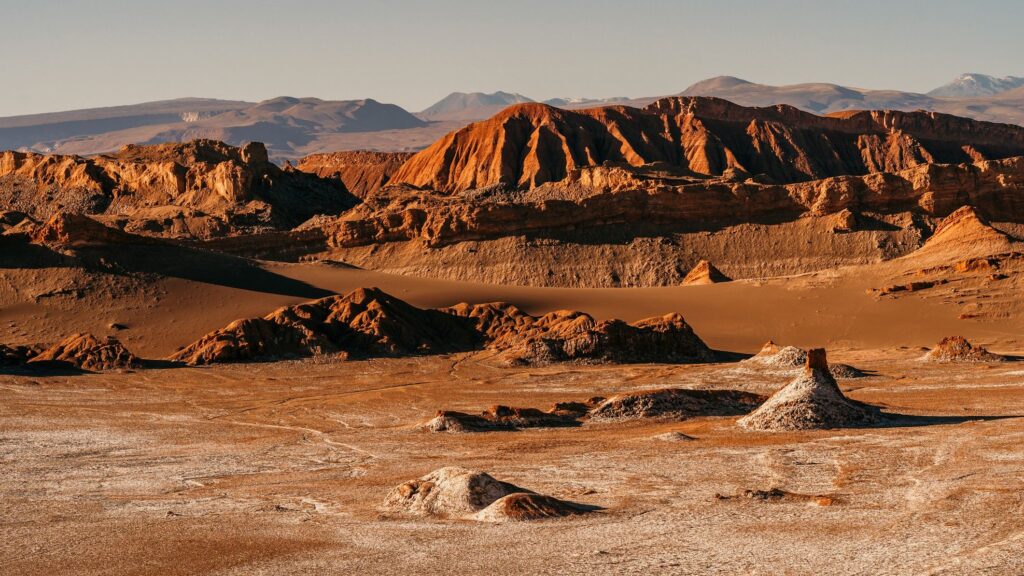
x=115 y=52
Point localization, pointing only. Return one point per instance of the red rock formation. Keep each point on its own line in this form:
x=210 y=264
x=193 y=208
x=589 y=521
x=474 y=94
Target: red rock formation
x=369 y=322
x=529 y=144
x=570 y=335
x=603 y=196
x=704 y=273
x=87 y=352
x=363 y=172
x=363 y=322
x=198 y=189
x=958 y=349
x=75 y=231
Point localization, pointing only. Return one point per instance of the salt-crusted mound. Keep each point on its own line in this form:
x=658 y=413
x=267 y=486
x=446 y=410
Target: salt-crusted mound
x=958 y=349
x=812 y=401
x=524 y=506
x=527 y=145
x=450 y=492
x=674 y=437
x=846 y=371
x=677 y=404
x=198 y=189
x=570 y=335
x=704 y=273
x=455 y=492
x=87 y=352
x=775 y=357
x=366 y=322
x=363 y=172
x=502 y=418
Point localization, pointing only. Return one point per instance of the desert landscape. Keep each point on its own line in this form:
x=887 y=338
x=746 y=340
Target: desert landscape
x=739 y=329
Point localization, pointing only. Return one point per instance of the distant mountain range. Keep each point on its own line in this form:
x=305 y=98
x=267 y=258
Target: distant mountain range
x=295 y=127
x=471 y=105
x=975 y=85
x=1006 y=106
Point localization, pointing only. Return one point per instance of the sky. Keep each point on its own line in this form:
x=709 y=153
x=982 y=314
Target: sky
x=70 y=54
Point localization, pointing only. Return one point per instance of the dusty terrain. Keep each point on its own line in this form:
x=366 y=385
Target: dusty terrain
x=280 y=469
x=540 y=365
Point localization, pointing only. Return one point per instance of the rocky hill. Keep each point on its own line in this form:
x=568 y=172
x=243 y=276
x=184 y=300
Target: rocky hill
x=368 y=322
x=985 y=98
x=200 y=189
x=363 y=172
x=531 y=144
x=290 y=127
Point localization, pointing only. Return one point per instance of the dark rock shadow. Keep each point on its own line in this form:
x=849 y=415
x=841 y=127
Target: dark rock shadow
x=43 y=370
x=196 y=265
x=895 y=420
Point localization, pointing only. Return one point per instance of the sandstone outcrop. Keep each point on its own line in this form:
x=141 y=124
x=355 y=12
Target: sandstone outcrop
x=362 y=171
x=704 y=273
x=66 y=230
x=88 y=352
x=958 y=349
x=608 y=196
x=529 y=144
x=965 y=233
x=369 y=322
x=198 y=189
x=569 y=335
x=811 y=401
x=364 y=322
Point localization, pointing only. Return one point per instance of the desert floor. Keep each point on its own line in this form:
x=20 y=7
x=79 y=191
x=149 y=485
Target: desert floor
x=280 y=468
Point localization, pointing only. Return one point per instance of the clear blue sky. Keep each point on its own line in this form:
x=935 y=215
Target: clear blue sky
x=66 y=54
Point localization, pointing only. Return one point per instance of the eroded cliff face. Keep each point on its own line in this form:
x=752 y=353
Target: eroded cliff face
x=603 y=196
x=200 y=189
x=531 y=144
x=363 y=172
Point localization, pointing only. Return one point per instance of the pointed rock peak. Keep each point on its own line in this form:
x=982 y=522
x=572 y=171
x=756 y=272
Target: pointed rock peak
x=965 y=230
x=811 y=401
x=705 y=273
x=961 y=217
x=816 y=359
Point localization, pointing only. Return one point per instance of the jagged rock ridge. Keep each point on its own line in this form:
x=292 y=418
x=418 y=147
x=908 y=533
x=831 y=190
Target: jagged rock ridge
x=529 y=144
x=369 y=322
x=200 y=189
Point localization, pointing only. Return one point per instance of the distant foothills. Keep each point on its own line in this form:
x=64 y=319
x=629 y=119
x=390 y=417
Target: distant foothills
x=295 y=127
